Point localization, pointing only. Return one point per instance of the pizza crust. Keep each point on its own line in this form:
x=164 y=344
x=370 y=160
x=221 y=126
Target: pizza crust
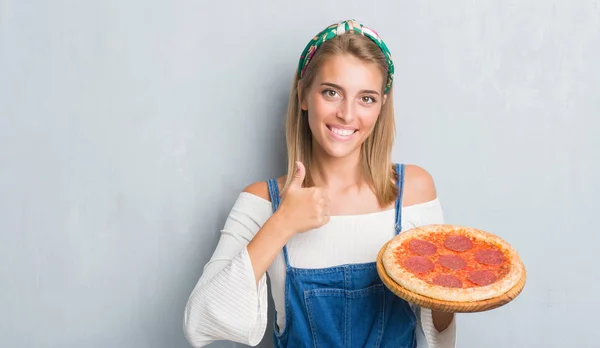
x=411 y=282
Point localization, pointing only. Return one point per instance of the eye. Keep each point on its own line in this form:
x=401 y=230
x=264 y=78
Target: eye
x=368 y=99
x=330 y=93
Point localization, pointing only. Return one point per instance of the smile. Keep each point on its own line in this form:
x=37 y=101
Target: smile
x=340 y=133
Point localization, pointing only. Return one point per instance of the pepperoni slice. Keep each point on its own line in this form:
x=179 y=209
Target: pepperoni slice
x=458 y=243
x=482 y=277
x=421 y=247
x=448 y=281
x=489 y=256
x=453 y=262
x=419 y=264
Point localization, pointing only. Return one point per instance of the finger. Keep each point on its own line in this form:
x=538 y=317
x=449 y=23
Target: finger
x=299 y=175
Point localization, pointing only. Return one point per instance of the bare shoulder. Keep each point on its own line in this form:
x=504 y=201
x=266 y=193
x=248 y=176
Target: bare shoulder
x=261 y=189
x=419 y=186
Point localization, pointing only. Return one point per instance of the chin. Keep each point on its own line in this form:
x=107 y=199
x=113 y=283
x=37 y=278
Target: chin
x=340 y=153
x=336 y=149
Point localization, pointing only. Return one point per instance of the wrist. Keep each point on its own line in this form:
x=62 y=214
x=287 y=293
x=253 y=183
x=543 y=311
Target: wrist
x=281 y=225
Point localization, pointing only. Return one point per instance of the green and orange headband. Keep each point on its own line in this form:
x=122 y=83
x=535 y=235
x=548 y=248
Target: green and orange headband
x=338 y=29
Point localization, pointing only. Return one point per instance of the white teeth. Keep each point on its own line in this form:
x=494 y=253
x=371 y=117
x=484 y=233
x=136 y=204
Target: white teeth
x=342 y=132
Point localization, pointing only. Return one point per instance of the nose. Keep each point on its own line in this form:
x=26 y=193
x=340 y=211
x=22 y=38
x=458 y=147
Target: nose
x=345 y=111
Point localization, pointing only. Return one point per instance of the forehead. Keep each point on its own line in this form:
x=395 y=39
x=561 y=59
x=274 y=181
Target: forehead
x=350 y=72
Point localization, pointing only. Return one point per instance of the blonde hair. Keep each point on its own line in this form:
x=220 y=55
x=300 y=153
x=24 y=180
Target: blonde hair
x=376 y=149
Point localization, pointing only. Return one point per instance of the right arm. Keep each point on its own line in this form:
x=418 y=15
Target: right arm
x=266 y=244
x=230 y=300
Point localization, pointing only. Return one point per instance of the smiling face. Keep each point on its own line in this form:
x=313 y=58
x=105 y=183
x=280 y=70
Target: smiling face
x=343 y=104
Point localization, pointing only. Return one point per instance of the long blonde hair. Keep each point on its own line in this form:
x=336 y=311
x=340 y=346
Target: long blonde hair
x=376 y=149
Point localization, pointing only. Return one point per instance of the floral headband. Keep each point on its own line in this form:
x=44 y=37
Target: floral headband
x=338 y=29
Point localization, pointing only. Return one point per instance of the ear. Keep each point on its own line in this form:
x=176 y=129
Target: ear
x=384 y=99
x=303 y=104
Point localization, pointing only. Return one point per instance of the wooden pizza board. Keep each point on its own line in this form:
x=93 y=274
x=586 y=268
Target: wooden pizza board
x=446 y=306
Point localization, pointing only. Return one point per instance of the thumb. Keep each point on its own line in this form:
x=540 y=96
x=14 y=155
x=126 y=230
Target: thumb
x=298 y=175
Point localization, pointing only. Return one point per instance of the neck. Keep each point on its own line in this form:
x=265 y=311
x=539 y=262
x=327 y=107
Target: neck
x=334 y=172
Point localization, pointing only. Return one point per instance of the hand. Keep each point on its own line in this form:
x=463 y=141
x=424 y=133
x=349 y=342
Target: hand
x=303 y=209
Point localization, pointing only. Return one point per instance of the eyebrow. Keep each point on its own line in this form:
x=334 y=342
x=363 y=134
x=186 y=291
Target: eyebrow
x=341 y=88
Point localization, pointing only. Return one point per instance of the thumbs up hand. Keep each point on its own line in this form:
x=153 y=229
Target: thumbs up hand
x=302 y=208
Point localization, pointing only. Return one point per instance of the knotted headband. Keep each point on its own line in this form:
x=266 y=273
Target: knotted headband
x=338 y=29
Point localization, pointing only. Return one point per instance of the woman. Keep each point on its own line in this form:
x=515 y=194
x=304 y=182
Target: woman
x=318 y=236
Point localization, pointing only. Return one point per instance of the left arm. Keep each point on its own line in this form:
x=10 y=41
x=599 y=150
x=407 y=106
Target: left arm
x=420 y=188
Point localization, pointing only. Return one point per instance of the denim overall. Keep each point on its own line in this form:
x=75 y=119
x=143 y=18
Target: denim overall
x=346 y=305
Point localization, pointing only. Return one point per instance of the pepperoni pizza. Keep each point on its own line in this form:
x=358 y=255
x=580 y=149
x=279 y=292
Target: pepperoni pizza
x=452 y=263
